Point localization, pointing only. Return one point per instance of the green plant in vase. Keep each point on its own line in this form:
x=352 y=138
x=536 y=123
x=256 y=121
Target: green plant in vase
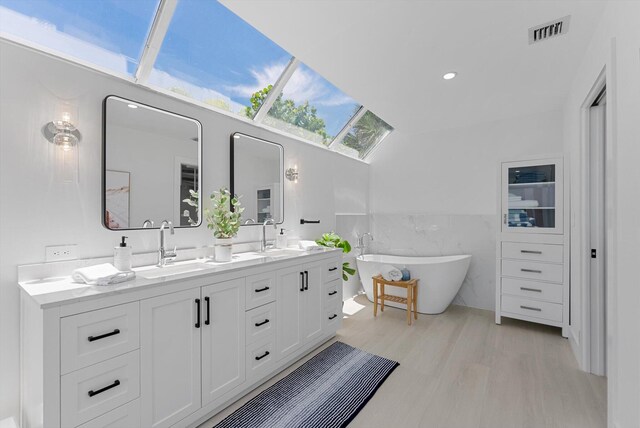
x=224 y=220
x=333 y=240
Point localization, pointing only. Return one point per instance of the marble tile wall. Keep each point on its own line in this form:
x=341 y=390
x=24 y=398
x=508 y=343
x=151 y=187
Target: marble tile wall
x=438 y=235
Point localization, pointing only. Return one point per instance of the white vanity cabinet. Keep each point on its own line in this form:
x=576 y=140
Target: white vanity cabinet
x=170 y=353
x=299 y=307
x=532 y=252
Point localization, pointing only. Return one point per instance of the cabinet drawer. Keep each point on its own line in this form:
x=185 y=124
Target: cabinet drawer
x=532 y=270
x=261 y=322
x=127 y=416
x=261 y=357
x=333 y=270
x=333 y=317
x=532 y=289
x=96 y=336
x=532 y=308
x=534 y=252
x=333 y=293
x=97 y=389
x=261 y=289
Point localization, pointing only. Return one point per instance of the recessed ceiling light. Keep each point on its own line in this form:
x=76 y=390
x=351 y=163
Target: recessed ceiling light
x=132 y=106
x=450 y=75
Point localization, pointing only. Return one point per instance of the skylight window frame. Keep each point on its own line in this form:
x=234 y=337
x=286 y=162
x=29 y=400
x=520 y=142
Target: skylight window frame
x=150 y=50
x=157 y=33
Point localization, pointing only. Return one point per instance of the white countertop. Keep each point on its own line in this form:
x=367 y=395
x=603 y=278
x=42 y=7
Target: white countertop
x=51 y=291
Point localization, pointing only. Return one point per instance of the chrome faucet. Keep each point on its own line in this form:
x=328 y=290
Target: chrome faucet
x=165 y=256
x=263 y=243
x=249 y=221
x=147 y=223
x=361 y=246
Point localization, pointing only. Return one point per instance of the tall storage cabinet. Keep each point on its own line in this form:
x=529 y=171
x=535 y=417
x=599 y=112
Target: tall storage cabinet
x=532 y=260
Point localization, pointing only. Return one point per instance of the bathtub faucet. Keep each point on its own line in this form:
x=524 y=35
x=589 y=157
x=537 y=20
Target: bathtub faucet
x=361 y=246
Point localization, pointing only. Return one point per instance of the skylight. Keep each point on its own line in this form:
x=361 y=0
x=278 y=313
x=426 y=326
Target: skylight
x=205 y=53
x=311 y=107
x=109 y=35
x=211 y=55
x=363 y=136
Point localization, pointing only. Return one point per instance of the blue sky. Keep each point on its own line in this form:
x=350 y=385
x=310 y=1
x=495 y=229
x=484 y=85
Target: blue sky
x=207 y=48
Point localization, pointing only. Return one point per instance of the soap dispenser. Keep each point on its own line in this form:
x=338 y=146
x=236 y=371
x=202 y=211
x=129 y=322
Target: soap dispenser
x=122 y=256
x=281 y=239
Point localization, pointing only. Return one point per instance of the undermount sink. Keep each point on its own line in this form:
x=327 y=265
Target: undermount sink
x=153 y=272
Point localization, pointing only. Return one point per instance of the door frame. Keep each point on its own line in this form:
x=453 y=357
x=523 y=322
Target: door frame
x=581 y=340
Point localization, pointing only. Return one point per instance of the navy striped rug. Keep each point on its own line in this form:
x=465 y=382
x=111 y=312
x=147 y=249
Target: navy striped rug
x=327 y=391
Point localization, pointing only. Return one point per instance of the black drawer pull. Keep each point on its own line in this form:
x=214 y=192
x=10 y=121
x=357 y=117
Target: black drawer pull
x=333 y=316
x=332 y=269
x=333 y=292
x=530 y=308
x=260 y=290
x=258 y=324
x=530 y=252
x=537 y=290
x=262 y=356
x=531 y=270
x=301 y=281
x=106 y=388
x=198 y=313
x=102 y=336
x=306 y=279
x=208 y=320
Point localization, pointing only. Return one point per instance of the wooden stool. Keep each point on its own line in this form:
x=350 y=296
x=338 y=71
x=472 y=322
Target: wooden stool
x=411 y=299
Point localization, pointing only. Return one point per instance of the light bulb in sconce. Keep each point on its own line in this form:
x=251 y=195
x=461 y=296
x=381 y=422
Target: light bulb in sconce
x=292 y=174
x=61 y=132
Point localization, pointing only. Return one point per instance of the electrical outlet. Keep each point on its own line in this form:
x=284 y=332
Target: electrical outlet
x=56 y=253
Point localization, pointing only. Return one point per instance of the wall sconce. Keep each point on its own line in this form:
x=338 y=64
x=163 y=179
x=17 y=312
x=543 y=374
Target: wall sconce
x=292 y=174
x=62 y=132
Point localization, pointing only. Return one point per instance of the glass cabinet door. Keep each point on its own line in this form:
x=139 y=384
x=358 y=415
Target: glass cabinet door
x=532 y=197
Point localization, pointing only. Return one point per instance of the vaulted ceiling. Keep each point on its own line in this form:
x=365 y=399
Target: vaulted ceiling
x=391 y=54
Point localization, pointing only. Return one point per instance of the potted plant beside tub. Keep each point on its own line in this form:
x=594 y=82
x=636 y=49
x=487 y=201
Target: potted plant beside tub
x=224 y=220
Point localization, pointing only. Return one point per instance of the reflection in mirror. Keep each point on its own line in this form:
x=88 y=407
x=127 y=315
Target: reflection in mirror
x=257 y=176
x=151 y=166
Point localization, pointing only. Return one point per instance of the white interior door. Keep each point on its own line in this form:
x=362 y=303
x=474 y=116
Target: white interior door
x=597 y=288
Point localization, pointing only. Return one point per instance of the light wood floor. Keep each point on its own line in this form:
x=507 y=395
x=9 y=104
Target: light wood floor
x=459 y=369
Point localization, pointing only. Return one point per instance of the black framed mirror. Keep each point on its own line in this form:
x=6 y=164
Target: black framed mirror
x=151 y=166
x=257 y=175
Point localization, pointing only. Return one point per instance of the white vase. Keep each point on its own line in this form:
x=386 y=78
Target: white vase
x=223 y=249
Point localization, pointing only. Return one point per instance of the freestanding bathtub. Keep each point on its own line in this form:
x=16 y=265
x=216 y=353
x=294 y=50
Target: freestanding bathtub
x=440 y=278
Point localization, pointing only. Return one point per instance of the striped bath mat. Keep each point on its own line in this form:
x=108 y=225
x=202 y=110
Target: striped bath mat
x=327 y=391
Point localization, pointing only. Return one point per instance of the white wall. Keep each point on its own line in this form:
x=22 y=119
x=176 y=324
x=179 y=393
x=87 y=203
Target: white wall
x=37 y=208
x=615 y=47
x=436 y=193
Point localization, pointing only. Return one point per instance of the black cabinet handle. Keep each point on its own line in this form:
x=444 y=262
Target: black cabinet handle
x=102 y=336
x=531 y=308
x=333 y=316
x=333 y=292
x=260 y=290
x=303 y=221
x=301 y=281
x=106 y=388
x=531 y=270
x=258 y=324
x=207 y=321
x=306 y=280
x=197 y=313
x=332 y=269
x=530 y=252
x=262 y=356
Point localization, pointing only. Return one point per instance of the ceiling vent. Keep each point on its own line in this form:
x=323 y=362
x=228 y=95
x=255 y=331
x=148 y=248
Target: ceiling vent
x=549 y=30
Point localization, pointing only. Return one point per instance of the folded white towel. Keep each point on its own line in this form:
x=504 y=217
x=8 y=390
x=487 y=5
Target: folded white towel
x=309 y=246
x=103 y=274
x=527 y=203
x=390 y=273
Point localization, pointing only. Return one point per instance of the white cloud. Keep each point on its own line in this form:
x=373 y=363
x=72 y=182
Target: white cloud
x=303 y=86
